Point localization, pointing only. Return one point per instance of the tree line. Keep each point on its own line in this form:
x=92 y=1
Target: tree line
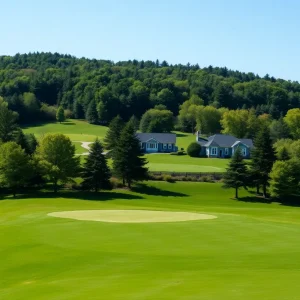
x=274 y=167
x=35 y=84
x=26 y=162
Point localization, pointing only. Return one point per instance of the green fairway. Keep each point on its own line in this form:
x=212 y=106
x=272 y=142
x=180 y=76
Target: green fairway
x=75 y=129
x=251 y=251
x=185 y=163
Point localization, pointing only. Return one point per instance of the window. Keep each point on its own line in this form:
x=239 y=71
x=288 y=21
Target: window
x=244 y=151
x=226 y=151
x=141 y=145
x=152 y=146
x=213 y=151
x=165 y=146
x=170 y=146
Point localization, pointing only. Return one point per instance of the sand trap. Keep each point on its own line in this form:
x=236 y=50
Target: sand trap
x=130 y=216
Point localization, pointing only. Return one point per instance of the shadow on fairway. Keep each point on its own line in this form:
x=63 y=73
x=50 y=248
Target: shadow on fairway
x=254 y=199
x=181 y=135
x=153 y=191
x=68 y=123
x=88 y=196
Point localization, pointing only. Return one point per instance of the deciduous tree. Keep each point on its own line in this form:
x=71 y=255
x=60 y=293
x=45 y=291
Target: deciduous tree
x=15 y=167
x=56 y=154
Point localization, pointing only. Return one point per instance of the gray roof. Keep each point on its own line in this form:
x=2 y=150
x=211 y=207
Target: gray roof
x=224 y=140
x=166 y=138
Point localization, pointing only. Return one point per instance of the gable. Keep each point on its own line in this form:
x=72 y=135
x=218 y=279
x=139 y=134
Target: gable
x=151 y=141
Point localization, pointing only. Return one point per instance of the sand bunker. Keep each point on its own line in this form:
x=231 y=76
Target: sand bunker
x=130 y=216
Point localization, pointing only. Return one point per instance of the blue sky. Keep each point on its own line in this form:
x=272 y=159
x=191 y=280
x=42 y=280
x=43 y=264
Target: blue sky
x=246 y=35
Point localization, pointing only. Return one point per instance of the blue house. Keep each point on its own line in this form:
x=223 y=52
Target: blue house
x=223 y=146
x=157 y=142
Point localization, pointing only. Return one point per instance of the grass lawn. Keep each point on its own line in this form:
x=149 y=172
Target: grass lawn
x=251 y=251
x=185 y=163
x=77 y=130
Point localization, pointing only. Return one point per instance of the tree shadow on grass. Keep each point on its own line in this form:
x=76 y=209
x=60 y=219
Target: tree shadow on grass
x=88 y=196
x=67 y=123
x=181 y=134
x=154 y=191
x=254 y=199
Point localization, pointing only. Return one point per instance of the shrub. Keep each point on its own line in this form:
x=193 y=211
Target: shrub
x=48 y=113
x=206 y=178
x=68 y=114
x=168 y=178
x=116 y=183
x=194 y=150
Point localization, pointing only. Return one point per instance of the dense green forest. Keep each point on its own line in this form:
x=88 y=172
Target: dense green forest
x=34 y=84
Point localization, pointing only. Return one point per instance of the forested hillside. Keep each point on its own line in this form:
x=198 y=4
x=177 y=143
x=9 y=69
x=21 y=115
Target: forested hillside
x=33 y=84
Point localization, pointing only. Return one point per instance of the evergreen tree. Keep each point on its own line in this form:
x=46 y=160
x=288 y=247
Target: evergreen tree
x=135 y=122
x=284 y=154
x=263 y=157
x=32 y=143
x=78 y=110
x=128 y=162
x=60 y=115
x=96 y=173
x=21 y=140
x=113 y=134
x=91 y=113
x=236 y=175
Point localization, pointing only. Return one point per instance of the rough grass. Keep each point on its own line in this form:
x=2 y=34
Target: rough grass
x=251 y=251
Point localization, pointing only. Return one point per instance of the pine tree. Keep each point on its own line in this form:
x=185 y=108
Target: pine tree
x=135 y=122
x=128 y=162
x=60 y=115
x=263 y=157
x=284 y=154
x=78 y=110
x=91 y=113
x=21 y=140
x=96 y=173
x=113 y=134
x=236 y=175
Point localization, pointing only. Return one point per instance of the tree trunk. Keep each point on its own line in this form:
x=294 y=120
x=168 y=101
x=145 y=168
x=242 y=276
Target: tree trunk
x=265 y=191
x=257 y=189
x=129 y=184
x=55 y=186
x=236 y=193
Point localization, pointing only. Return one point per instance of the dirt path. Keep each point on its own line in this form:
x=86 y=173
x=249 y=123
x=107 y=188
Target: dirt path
x=86 y=145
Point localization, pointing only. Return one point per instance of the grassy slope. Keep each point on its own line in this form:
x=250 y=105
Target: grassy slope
x=249 y=252
x=82 y=131
x=75 y=129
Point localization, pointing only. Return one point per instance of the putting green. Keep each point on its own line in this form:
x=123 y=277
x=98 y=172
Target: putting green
x=130 y=216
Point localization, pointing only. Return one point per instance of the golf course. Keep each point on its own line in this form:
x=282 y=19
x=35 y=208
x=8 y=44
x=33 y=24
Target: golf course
x=81 y=132
x=160 y=241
